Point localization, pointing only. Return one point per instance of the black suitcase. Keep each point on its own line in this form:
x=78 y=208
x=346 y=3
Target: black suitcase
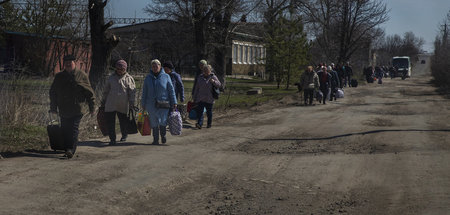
x=55 y=135
x=354 y=83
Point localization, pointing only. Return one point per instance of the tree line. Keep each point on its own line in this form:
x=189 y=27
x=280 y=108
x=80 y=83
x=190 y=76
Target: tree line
x=296 y=32
x=440 y=62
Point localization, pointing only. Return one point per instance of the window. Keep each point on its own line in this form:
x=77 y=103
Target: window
x=263 y=55
x=235 y=53
x=241 y=53
x=251 y=60
x=246 y=54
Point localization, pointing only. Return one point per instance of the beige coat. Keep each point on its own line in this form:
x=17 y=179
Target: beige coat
x=119 y=93
x=309 y=80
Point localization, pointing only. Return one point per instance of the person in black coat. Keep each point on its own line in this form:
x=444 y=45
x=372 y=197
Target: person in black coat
x=335 y=83
x=325 y=82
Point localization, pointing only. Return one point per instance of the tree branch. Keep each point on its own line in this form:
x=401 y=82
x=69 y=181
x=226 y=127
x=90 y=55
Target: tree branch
x=5 y=1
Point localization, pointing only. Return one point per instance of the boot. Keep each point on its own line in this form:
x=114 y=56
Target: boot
x=162 y=130
x=155 y=136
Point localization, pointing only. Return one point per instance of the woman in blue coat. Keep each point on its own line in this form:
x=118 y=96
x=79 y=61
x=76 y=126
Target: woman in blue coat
x=158 y=96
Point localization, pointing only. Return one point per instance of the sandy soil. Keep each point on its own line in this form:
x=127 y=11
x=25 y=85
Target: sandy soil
x=383 y=149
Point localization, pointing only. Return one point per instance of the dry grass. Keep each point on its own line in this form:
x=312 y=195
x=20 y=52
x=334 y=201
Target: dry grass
x=24 y=105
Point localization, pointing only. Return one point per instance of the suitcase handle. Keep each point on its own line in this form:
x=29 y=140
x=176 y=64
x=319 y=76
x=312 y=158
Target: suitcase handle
x=54 y=121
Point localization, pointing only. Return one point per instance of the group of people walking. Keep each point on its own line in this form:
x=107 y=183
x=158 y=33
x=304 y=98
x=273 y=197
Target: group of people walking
x=162 y=89
x=324 y=81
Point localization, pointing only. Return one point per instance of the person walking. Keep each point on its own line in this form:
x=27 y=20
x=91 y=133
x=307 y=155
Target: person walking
x=340 y=71
x=348 y=71
x=334 y=82
x=69 y=93
x=309 y=81
x=203 y=95
x=176 y=80
x=158 y=96
x=118 y=98
x=201 y=65
x=325 y=83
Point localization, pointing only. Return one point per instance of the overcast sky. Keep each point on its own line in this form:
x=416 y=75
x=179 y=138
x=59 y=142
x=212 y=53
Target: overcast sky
x=422 y=17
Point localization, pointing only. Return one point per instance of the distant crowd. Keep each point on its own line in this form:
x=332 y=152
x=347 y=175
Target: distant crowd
x=325 y=82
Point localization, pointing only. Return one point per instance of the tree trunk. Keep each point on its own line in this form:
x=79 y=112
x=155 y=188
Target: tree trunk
x=101 y=43
x=200 y=24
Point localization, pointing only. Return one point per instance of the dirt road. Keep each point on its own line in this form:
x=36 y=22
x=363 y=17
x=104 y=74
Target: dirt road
x=383 y=149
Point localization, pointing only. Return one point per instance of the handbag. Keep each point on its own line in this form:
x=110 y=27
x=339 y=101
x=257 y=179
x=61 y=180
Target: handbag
x=162 y=104
x=101 y=120
x=215 y=92
x=131 y=122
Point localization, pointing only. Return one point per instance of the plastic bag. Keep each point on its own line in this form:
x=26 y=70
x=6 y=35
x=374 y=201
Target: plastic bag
x=175 y=123
x=143 y=124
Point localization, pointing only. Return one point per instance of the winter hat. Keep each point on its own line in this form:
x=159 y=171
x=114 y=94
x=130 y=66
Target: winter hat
x=168 y=64
x=203 y=62
x=329 y=68
x=121 y=64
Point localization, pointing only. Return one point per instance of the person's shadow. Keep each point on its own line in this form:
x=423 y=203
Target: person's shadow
x=33 y=153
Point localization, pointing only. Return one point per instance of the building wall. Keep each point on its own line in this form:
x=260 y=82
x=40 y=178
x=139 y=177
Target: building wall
x=248 y=58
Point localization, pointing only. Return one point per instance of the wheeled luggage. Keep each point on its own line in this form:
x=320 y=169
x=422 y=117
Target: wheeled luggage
x=55 y=135
x=354 y=83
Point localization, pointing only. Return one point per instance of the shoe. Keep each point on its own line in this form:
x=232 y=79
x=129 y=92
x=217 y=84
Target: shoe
x=163 y=140
x=123 y=139
x=198 y=126
x=112 y=142
x=208 y=126
x=155 y=143
x=68 y=154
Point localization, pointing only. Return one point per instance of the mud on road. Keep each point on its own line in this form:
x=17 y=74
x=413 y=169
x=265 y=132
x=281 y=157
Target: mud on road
x=383 y=149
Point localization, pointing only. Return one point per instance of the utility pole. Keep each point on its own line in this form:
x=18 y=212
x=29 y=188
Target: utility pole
x=445 y=35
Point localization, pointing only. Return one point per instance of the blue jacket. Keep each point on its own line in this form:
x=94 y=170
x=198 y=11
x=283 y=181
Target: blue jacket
x=178 y=85
x=157 y=88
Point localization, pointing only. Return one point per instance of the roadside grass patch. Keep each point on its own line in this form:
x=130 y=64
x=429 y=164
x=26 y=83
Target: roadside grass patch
x=18 y=138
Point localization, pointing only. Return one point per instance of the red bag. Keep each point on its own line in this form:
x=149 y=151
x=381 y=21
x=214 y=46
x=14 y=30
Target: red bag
x=143 y=124
x=101 y=120
x=190 y=106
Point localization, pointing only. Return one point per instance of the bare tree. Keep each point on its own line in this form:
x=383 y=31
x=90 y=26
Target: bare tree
x=342 y=27
x=102 y=43
x=53 y=28
x=211 y=21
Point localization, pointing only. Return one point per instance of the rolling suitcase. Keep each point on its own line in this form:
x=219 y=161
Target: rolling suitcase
x=55 y=134
x=354 y=83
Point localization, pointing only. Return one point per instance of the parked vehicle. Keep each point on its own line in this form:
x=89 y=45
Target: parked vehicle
x=403 y=66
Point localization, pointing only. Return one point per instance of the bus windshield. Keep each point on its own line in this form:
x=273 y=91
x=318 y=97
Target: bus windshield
x=400 y=62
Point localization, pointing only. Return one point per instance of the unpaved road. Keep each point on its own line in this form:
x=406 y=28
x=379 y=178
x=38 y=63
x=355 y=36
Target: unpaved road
x=383 y=149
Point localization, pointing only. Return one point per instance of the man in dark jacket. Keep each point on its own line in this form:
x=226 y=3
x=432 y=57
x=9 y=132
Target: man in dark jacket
x=348 y=72
x=69 y=92
x=176 y=80
x=325 y=79
x=335 y=83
